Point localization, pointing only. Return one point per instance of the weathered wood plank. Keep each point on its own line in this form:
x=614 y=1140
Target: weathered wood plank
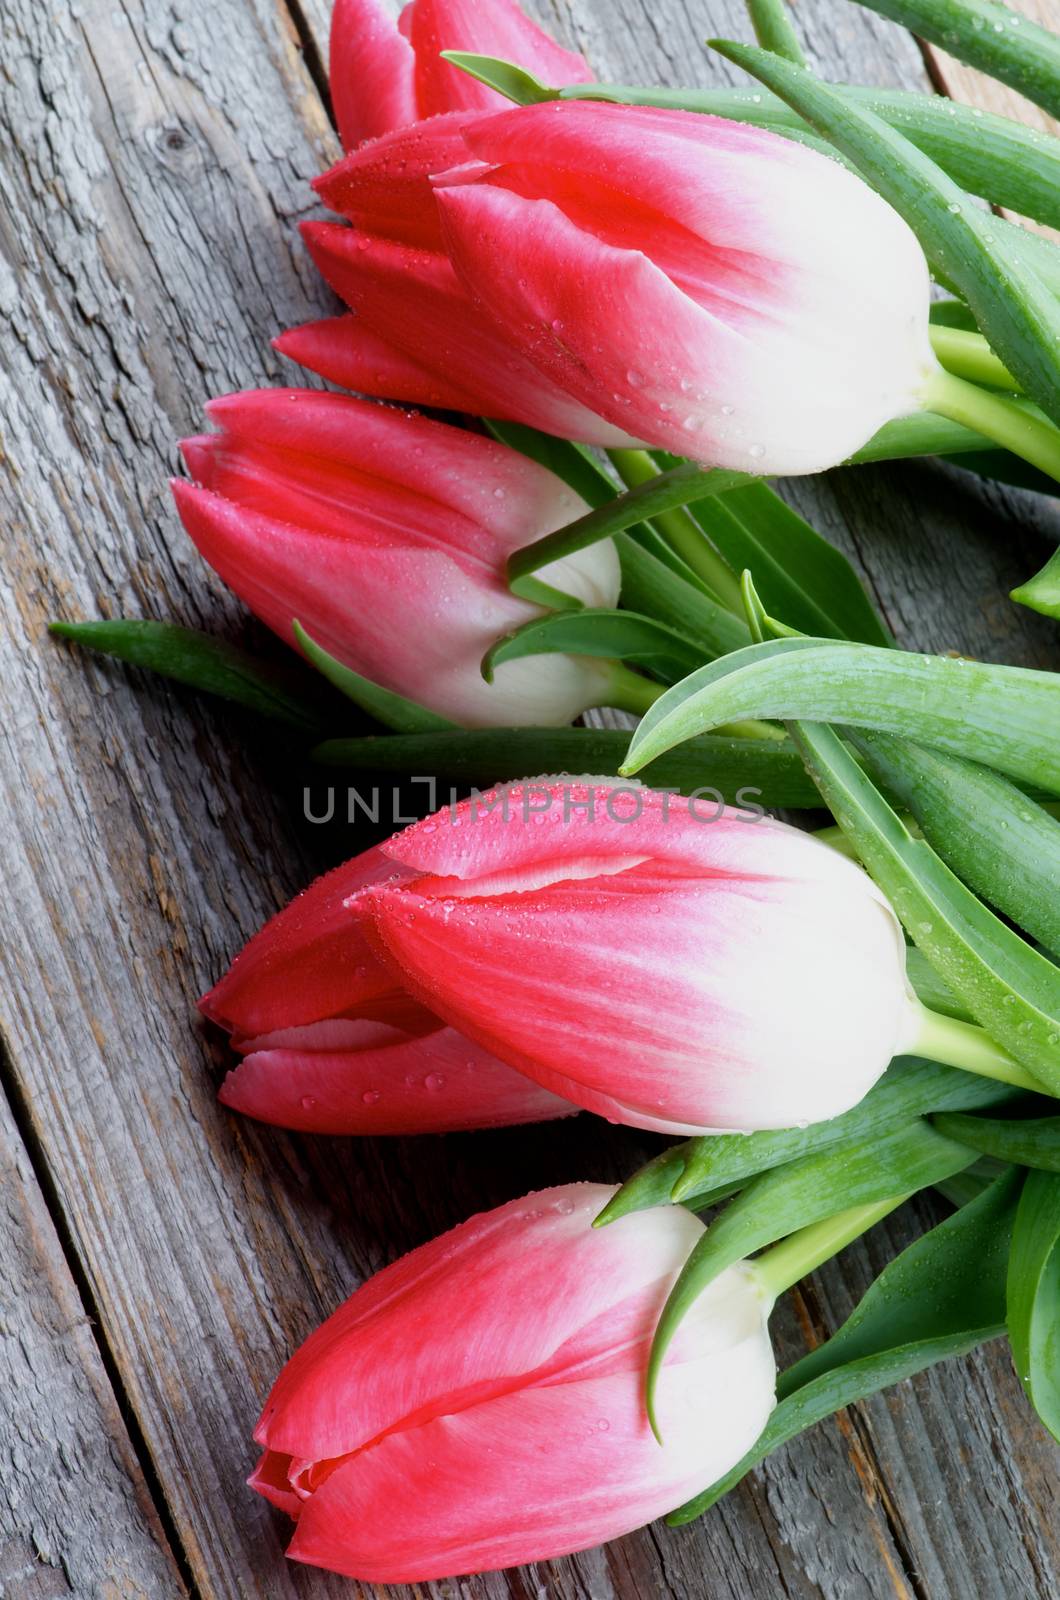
x=161 y=158
x=76 y=1518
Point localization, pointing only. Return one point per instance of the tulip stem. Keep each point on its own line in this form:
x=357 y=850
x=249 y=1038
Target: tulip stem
x=964 y=1045
x=682 y=532
x=967 y=355
x=1010 y=422
x=804 y=1251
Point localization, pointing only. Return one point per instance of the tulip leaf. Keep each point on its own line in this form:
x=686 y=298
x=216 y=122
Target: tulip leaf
x=908 y=1089
x=806 y=1190
x=744 y=771
x=392 y=710
x=1005 y=44
x=1005 y=717
x=1006 y=985
x=204 y=662
x=615 y=635
x=1012 y=306
x=1042 y=592
x=515 y=83
x=657 y=583
x=941 y=1297
x=773 y=29
x=679 y=487
x=1003 y=845
x=800 y=576
x=1034 y=1296
x=1027 y=1141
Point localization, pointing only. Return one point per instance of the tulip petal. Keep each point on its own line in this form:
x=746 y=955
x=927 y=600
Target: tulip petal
x=310 y=961
x=383 y=187
x=371 y=72
x=483 y=27
x=591 y=1289
x=435 y=1083
x=343 y=350
x=411 y=300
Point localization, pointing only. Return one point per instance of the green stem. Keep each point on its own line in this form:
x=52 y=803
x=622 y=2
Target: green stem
x=967 y=355
x=964 y=1045
x=1007 y=421
x=802 y=1252
x=682 y=532
x=631 y=691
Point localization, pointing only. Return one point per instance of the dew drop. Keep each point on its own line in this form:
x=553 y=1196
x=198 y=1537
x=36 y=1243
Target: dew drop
x=434 y=1080
x=308 y=1102
x=370 y=1096
x=757 y=450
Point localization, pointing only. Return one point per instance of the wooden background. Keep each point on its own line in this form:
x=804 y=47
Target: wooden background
x=160 y=1258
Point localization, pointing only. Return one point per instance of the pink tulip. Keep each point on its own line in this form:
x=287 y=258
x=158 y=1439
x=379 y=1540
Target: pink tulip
x=708 y=287
x=480 y=1403
x=386 y=536
x=647 y=958
x=332 y=1044
x=386 y=75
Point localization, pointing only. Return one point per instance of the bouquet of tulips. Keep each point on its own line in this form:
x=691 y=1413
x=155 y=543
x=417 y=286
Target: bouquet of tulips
x=634 y=305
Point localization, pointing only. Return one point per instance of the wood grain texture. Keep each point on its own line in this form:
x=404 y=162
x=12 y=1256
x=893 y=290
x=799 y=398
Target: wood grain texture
x=76 y=1517
x=160 y=152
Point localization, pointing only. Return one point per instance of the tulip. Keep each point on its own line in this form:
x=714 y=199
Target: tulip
x=667 y=965
x=480 y=1403
x=386 y=75
x=708 y=287
x=386 y=536
x=332 y=1044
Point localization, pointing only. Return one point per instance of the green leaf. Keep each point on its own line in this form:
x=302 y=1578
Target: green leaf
x=1016 y=312
x=391 y=709
x=679 y=487
x=908 y=1089
x=1027 y=1141
x=1005 y=717
x=614 y=635
x=1034 y=1296
x=1003 y=43
x=512 y=81
x=1006 y=985
x=206 y=663
x=931 y=990
x=798 y=1193
x=943 y=1296
x=1042 y=592
x=744 y=771
x=657 y=583
x=773 y=29
x=1001 y=843
x=800 y=576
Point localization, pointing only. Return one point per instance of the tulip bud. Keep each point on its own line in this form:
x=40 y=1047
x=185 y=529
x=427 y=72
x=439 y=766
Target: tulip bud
x=385 y=75
x=386 y=536
x=480 y=1403
x=332 y=1044
x=667 y=964
x=711 y=288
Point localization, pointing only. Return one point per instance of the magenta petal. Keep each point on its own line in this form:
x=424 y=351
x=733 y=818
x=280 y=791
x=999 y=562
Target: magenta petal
x=371 y=72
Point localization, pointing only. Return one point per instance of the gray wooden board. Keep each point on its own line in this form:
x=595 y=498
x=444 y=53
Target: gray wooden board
x=157 y=158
